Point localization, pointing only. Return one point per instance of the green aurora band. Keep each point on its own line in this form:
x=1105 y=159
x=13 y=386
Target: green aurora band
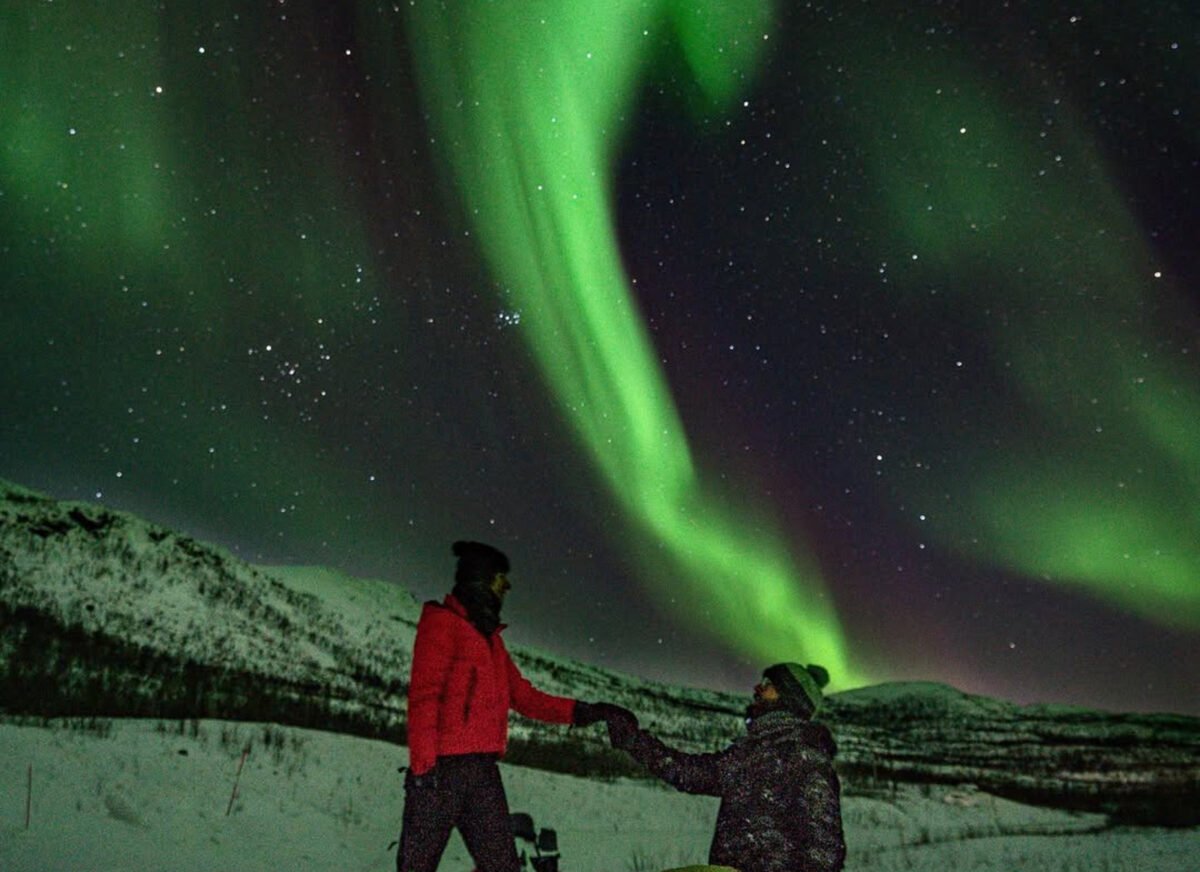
x=1092 y=476
x=529 y=101
x=140 y=194
x=146 y=186
x=531 y=107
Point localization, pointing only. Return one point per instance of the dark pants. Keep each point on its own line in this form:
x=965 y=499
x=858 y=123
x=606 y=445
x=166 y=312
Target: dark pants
x=467 y=794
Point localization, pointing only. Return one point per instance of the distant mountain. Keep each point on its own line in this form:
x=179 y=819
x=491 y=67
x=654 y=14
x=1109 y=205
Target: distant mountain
x=106 y=614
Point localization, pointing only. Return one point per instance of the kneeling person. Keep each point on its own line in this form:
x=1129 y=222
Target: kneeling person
x=780 y=796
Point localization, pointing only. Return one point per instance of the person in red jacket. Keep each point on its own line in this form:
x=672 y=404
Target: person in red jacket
x=462 y=686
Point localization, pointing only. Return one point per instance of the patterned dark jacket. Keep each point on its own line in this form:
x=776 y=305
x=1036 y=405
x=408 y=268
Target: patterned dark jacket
x=780 y=797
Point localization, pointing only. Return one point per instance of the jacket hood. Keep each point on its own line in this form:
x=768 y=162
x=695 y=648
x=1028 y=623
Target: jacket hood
x=464 y=610
x=781 y=722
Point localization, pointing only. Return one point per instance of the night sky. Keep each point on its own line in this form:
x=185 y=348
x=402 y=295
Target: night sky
x=862 y=333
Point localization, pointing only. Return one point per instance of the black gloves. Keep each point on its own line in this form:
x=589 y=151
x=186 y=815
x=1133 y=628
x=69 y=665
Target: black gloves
x=425 y=781
x=622 y=727
x=587 y=713
x=622 y=723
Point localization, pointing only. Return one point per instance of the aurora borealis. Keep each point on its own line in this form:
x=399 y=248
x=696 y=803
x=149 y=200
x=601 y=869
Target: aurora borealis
x=564 y=75
x=865 y=336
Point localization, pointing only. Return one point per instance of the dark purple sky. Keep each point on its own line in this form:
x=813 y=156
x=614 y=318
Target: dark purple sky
x=238 y=299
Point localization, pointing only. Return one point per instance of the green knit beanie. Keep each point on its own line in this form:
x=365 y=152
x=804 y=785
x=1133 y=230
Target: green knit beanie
x=799 y=686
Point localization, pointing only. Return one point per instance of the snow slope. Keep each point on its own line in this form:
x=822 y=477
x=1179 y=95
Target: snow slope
x=107 y=614
x=144 y=796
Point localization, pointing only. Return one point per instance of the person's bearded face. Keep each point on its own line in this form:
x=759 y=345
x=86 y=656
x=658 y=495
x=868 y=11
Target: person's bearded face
x=766 y=698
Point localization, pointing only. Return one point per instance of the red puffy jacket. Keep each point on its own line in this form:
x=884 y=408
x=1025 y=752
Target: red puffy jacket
x=462 y=687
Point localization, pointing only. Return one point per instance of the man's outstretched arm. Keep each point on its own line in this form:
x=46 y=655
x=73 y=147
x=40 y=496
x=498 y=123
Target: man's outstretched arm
x=691 y=773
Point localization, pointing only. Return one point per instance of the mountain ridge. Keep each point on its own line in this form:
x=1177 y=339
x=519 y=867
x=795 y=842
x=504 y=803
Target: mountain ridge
x=108 y=614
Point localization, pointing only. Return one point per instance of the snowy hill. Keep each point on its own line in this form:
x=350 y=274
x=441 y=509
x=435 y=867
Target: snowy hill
x=107 y=614
x=128 y=618
x=1137 y=768
x=145 y=795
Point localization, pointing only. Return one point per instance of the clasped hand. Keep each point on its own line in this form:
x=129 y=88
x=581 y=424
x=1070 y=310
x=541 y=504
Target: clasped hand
x=622 y=723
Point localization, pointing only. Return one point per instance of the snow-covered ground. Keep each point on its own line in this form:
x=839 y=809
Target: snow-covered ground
x=132 y=795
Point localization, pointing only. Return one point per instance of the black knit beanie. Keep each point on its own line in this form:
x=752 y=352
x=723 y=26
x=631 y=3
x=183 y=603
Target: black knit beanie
x=799 y=686
x=478 y=563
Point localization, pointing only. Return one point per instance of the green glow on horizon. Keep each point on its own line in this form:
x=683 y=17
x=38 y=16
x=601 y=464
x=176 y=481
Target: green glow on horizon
x=1026 y=220
x=530 y=102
